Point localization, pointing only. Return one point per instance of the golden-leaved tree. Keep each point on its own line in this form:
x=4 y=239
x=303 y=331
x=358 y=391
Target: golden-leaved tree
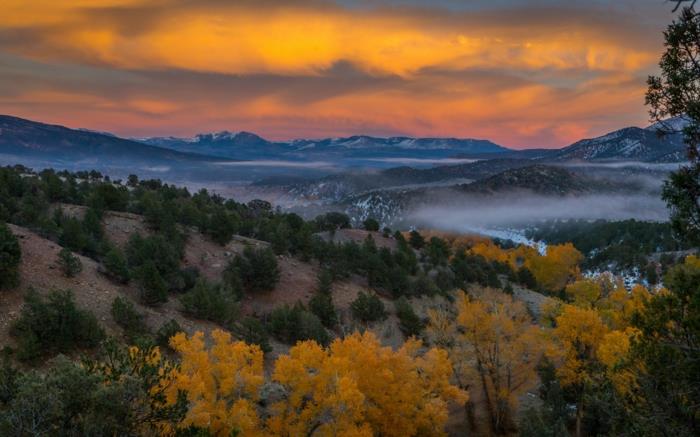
x=222 y=383
x=496 y=348
x=358 y=387
x=552 y=271
x=355 y=387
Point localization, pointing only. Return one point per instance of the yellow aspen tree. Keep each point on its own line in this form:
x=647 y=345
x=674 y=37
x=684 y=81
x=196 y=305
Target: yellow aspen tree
x=222 y=383
x=356 y=387
x=502 y=347
x=579 y=331
x=555 y=269
x=584 y=292
x=613 y=352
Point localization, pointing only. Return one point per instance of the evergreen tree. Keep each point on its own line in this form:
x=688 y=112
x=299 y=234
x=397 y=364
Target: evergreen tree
x=676 y=93
x=70 y=264
x=10 y=256
x=370 y=224
x=368 y=308
x=153 y=288
x=416 y=240
x=409 y=322
x=257 y=269
x=321 y=304
x=116 y=265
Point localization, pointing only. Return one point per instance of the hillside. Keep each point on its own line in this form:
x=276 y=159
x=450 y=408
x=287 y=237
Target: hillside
x=631 y=143
x=336 y=187
x=94 y=290
x=25 y=138
x=390 y=206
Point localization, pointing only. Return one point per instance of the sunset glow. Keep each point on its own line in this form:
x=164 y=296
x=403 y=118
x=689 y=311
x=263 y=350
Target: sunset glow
x=523 y=74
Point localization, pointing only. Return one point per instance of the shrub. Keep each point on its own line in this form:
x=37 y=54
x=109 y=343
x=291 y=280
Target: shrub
x=526 y=278
x=153 y=288
x=416 y=240
x=438 y=251
x=409 y=322
x=217 y=303
x=126 y=316
x=222 y=226
x=70 y=264
x=423 y=285
x=252 y=331
x=368 y=308
x=54 y=325
x=257 y=269
x=116 y=265
x=371 y=225
x=293 y=324
x=321 y=304
x=332 y=221
x=10 y=256
x=166 y=332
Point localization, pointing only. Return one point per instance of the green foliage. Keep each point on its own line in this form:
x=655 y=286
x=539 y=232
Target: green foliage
x=667 y=348
x=367 y=307
x=296 y=323
x=116 y=265
x=371 y=225
x=437 y=251
x=409 y=322
x=422 y=285
x=9 y=376
x=526 y=278
x=97 y=398
x=416 y=240
x=218 y=303
x=10 y=256
x=157 y=251
x=321 y=304
x=626 y=243
x=152 y=287
x=552 y=417
x=221 y=226
x=257 y=269
x=675 y=94
x=681 y=193
x=252 y=331
x=125 y=315
x=54 y=324
x=332 y=221
x=166 y=332
x=476 y=269
x=70 y=264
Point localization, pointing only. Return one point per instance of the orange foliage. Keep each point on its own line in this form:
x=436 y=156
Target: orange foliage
x=355 y=387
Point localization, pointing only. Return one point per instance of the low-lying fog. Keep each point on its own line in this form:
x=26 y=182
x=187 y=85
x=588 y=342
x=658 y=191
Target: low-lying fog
x=473 y=213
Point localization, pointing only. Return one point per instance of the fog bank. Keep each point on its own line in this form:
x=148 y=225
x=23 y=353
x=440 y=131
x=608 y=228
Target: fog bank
x=470 y=213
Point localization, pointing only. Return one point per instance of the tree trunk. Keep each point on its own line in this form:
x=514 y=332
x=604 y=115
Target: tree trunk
x=579 y=417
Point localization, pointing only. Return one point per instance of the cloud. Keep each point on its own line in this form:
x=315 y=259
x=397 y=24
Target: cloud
x=521 y=73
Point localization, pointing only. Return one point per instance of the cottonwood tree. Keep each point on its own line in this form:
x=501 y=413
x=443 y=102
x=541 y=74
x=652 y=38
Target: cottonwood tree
x=495 y=348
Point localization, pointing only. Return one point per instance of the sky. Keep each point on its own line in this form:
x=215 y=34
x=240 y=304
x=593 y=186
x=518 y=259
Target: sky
x=523 y=74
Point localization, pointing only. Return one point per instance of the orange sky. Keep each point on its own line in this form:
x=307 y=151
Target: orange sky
x=521 y=73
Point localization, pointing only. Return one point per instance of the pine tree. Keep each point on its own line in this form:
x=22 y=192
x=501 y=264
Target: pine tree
x=153 y=288
x=69 y=263
x=10 y=256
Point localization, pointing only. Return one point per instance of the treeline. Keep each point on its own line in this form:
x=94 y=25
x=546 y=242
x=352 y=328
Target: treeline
x=623 y=244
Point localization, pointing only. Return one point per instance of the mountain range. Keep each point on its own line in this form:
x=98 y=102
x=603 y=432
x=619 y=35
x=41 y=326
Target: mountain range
x=246 y=145
x=222 y=156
